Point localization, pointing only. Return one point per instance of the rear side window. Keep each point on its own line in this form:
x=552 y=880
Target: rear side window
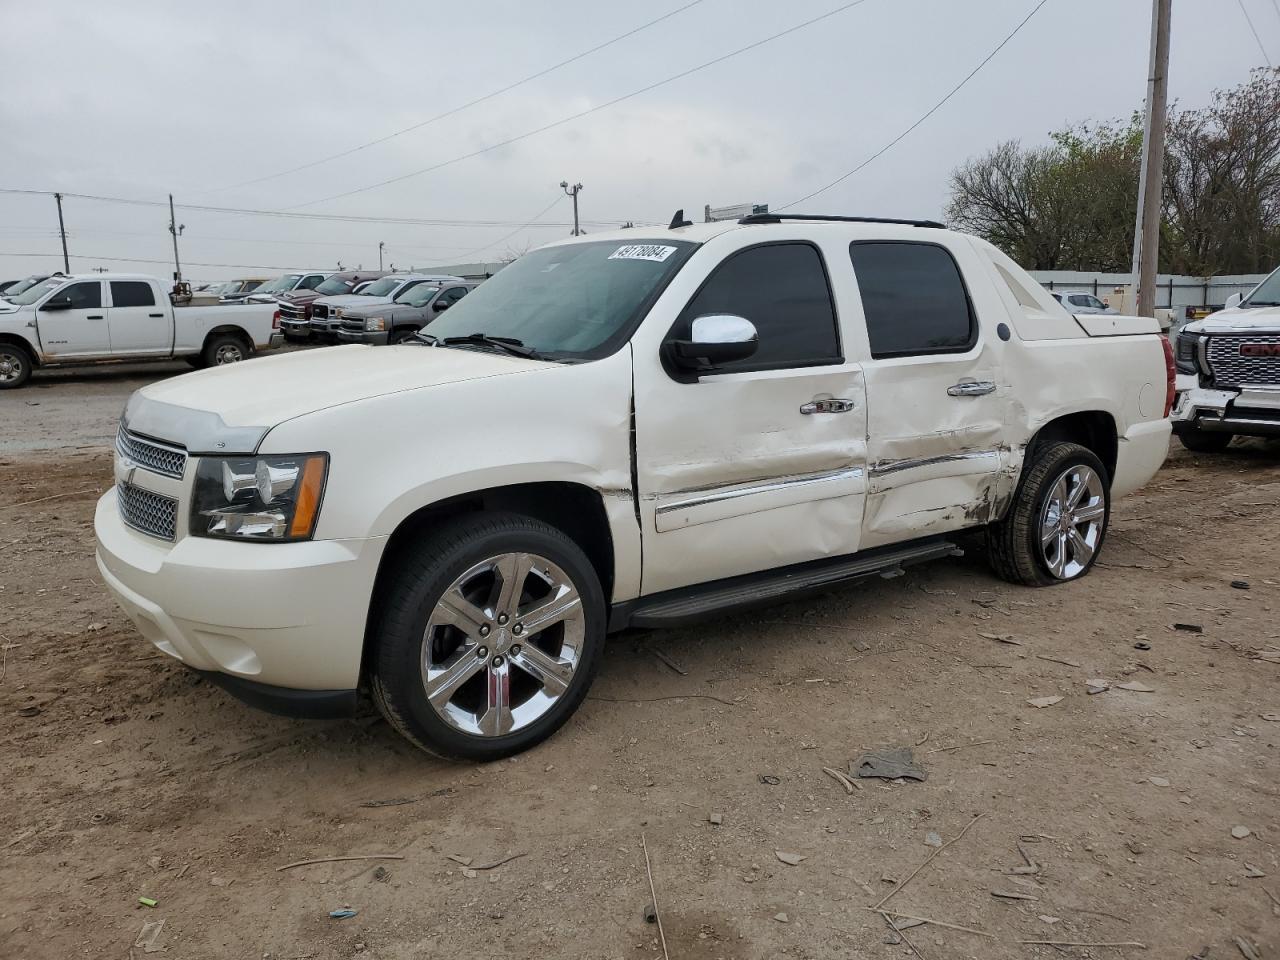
x=131 y=293
x=311 y=282
x=454 y=294
x=782 y=289
x=913 y=297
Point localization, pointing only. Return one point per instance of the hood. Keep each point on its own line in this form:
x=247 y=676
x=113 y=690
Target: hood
x=258 y=394
x=1237 y=320
x=300 y=296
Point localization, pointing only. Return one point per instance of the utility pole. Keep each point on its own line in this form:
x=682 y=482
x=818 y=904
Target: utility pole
x=573 y=192
x=381 y=244
x=66 y=261
x=1146 y=234
x=176 y=229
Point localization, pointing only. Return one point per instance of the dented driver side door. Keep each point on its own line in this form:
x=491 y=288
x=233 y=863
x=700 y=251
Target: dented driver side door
x=755 y=465
x=936 y=403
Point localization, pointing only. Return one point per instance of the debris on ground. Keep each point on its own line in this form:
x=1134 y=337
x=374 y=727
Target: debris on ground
x=770 y=779
x=715 y=819
x=1013 y=895
x=1240 y=584
x=1252 y=872
x=1042 y=702
x=1096 y=685
x=1142 y=645
x=1189 y=627
x=840 y=778
x=1247 y=949
x=790 y=859
x=1240 y=832
x=932 y=839
x=393 y=802
x=148 y=901
x=669 y=662
x=146 y=938
x=1063 y=660
x=345 y=914
x=1002 y=638
x=889 y=763
x=649 y=914
x=382 y=874
x=782 y=918
x=1159 y=781
x=1135 y=686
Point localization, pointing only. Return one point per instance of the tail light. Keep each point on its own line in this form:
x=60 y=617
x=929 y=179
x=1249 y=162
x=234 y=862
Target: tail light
x=275 y=320
x=1171 y=376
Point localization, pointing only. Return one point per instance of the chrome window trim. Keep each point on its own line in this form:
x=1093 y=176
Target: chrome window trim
x=770 y=485
x=897 y=466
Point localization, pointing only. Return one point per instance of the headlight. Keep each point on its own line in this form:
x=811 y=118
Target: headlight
x=1186 y=352
x=375 y=324
x=275 y=498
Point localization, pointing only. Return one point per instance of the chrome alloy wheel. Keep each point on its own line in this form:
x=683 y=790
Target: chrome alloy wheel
x=502 y=644
x=11 y=366
x=1071 y=521
x=228 y=353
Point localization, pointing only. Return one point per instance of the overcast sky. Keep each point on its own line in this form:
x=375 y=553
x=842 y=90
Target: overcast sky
x=137 y=99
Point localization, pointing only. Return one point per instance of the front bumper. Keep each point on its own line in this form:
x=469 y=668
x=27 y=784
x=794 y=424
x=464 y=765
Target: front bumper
x=282 y=615
x=1249 y=412
x=377 y=339
x=296 y=329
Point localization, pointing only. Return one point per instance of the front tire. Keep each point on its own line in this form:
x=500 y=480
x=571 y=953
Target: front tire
x=491 y=630
x=15 y=366
x=1205 y=441
x=1054 y=530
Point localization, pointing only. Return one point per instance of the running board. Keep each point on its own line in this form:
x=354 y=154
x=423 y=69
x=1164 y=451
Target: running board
x=676 y=608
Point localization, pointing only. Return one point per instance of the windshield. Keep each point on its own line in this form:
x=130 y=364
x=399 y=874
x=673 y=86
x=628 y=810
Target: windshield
x=1267 y=293
x=418 y=296
x=334 y=285
x=21 y=286
x=280 y=284
x=32 y=294
x=382 y=288
x=577 y=301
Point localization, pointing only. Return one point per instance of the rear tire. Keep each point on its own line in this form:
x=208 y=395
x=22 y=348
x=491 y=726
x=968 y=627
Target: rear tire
x=489 y=633
x=15 y=365
x=224 y=348
x=1055 y=528
x=1205 y=441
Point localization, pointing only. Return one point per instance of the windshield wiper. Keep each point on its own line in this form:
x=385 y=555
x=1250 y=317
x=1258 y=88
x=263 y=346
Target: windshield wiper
x=506 y=344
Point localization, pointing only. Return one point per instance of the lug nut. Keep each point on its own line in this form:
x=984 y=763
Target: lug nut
x=515 y=651
x=484 y=630
x=518 y=629
x=497 y=661
x=502 y=619
x=482 y=652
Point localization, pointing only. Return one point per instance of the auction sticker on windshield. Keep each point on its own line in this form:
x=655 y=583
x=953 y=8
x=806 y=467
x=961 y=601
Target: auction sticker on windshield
x=656 y=252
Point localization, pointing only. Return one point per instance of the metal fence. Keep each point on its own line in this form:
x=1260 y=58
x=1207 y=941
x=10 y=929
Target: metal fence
x=1172 y=291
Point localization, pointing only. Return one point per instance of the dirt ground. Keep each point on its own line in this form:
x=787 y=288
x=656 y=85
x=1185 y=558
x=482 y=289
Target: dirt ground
x=124 y=776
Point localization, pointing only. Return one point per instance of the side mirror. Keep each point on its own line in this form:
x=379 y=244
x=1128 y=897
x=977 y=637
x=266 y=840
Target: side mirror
x=443 y=305
x=58 y=303
x=715 y=339
x=1233 y=301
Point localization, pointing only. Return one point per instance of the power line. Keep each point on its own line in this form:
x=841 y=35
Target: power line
x=930 y=112
x=81 y=256
x=289 y=214
x=467 y=105
x=535 y=219
x=1257 y=39
x=603 y=106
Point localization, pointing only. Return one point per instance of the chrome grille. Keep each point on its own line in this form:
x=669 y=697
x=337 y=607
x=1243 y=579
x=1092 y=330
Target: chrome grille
x=289 y=311
x=319 y=312
x=148 y=512
x=168 y=461
x=1229 y=368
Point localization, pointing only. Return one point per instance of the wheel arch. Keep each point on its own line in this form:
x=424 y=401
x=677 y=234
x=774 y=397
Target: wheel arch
x=232 y=329
x=21 y=341
x=1094 y=430
x=575 y=509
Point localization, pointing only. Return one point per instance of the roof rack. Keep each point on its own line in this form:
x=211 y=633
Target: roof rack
x=779 y=217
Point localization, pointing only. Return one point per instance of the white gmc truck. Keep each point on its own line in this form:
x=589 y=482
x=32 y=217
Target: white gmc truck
x=635 y=429
x=1229 y=372
x=93 y=317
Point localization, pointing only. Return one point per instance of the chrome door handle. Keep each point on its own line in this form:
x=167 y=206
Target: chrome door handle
x=833 y=405
x=971 y=388
x=94 y=316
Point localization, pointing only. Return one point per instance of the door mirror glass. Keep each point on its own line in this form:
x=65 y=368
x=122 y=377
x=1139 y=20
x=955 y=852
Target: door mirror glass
x=442 y=305
x=715 y=339
x=1233 y=301
x=58 y=303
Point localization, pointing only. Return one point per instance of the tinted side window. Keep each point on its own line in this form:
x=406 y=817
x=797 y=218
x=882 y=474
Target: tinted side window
x=453 y=294
x=131 y=293
x=1080 y=301
x=782 y=289
x=311 y=282
x=913 y=297
x=84 y=296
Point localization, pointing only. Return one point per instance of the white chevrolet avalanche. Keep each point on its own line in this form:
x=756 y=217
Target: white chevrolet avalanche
x=634 y=429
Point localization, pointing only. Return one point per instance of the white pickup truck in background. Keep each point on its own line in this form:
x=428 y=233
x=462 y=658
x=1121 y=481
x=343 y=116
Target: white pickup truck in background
x=632 y=429
x=93 y=317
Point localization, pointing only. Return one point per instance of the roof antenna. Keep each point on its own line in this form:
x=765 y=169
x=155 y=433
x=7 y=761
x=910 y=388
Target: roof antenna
x=679 y=221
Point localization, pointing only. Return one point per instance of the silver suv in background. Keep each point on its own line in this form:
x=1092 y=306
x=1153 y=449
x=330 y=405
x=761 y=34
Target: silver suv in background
x=327 y=313
x=1081 y=302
